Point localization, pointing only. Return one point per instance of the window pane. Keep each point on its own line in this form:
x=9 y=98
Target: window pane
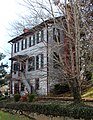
x=56 y=60
x=33 y=39
x=56 y=35
x=42 y=60
x=25 y=43
x=16 y=66
x=29 y=41
x=38 y=37
x=22 y=45
x=36 y=83
x=37 y=62
x=31 y=63
x=42 y=35
x=18 y=47
x=15 y=48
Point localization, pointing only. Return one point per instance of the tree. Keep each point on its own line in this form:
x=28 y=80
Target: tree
x=2 y=69
x=76 y=27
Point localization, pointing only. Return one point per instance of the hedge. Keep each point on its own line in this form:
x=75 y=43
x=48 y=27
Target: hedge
x=71 y=110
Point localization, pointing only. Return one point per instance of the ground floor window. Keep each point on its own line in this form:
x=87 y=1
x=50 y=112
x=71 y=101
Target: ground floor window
x=16 y=88
x=22 y=87
x=37 y=84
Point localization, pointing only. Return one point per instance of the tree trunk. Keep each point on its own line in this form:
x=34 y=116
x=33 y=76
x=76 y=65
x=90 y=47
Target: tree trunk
x=75 y=90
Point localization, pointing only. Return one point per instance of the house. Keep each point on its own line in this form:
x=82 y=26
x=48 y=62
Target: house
x=32 y=66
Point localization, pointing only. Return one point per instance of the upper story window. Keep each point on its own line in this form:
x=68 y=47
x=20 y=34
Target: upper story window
x=40 y=36
x=39 y=61
x=33 y=40
x=31 y=63
x=18 y=47
x=24 y=44
x=56 y=34
x=30 y=41
x=15 y=48
x=37 y=37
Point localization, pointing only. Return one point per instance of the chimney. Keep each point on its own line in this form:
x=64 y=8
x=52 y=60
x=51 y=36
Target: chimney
x=25 y=30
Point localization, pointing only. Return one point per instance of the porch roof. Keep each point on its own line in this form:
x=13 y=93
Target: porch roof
x=19 y=57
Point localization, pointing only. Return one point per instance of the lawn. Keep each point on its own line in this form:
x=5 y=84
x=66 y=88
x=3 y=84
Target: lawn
x=7 y=116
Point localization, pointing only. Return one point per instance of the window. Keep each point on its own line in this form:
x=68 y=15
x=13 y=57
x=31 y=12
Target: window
x=56 y=34
x=56 y=60
x=30 y=41
x=33 y=40
x=42 y=60
x=37 y=37
x=18 y=47
x=37 y=84
x=31 y=63
x=16 y=66
x=22 y=87
x=42 y=35
x=24 y=44
x=15 y=48
x=39 y=61
x=16 y=88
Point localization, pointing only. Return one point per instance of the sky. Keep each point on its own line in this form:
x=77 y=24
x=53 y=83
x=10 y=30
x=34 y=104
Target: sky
x=9 y=10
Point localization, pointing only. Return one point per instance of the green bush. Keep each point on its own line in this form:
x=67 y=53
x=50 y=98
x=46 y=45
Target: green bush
x=17 y=97
x=31 y=97
x=54 y=109
x=61 y=88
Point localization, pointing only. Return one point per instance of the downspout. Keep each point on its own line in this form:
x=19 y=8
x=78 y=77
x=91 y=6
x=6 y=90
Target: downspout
x=47 y=62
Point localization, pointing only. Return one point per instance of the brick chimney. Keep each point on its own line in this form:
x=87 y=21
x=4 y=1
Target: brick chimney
x=25 y=30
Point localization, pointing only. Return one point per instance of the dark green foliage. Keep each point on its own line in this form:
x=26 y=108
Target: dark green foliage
x=31 y=97
x=61 y=88
x=3 y=98
x=6 y=93
x=17 y=97
x=71 y=110
x=88 y=75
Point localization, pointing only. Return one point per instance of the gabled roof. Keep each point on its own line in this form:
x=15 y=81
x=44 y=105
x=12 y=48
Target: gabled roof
x=36 y=28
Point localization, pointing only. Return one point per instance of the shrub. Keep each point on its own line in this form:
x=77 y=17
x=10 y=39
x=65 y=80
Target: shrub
x=61 y=88
x=17 y=97
x=54 y=109
x=31 y=97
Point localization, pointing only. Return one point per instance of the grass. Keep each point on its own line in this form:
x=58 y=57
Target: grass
x=89 y=93
x=8 y=116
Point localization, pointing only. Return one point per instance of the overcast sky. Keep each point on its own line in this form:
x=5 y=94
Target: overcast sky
x=9 y=10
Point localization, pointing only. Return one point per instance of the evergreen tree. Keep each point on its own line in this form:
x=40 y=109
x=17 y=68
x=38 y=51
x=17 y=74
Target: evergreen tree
x=2 y=69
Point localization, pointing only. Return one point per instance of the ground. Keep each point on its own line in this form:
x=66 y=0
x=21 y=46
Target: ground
x=7 y=116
